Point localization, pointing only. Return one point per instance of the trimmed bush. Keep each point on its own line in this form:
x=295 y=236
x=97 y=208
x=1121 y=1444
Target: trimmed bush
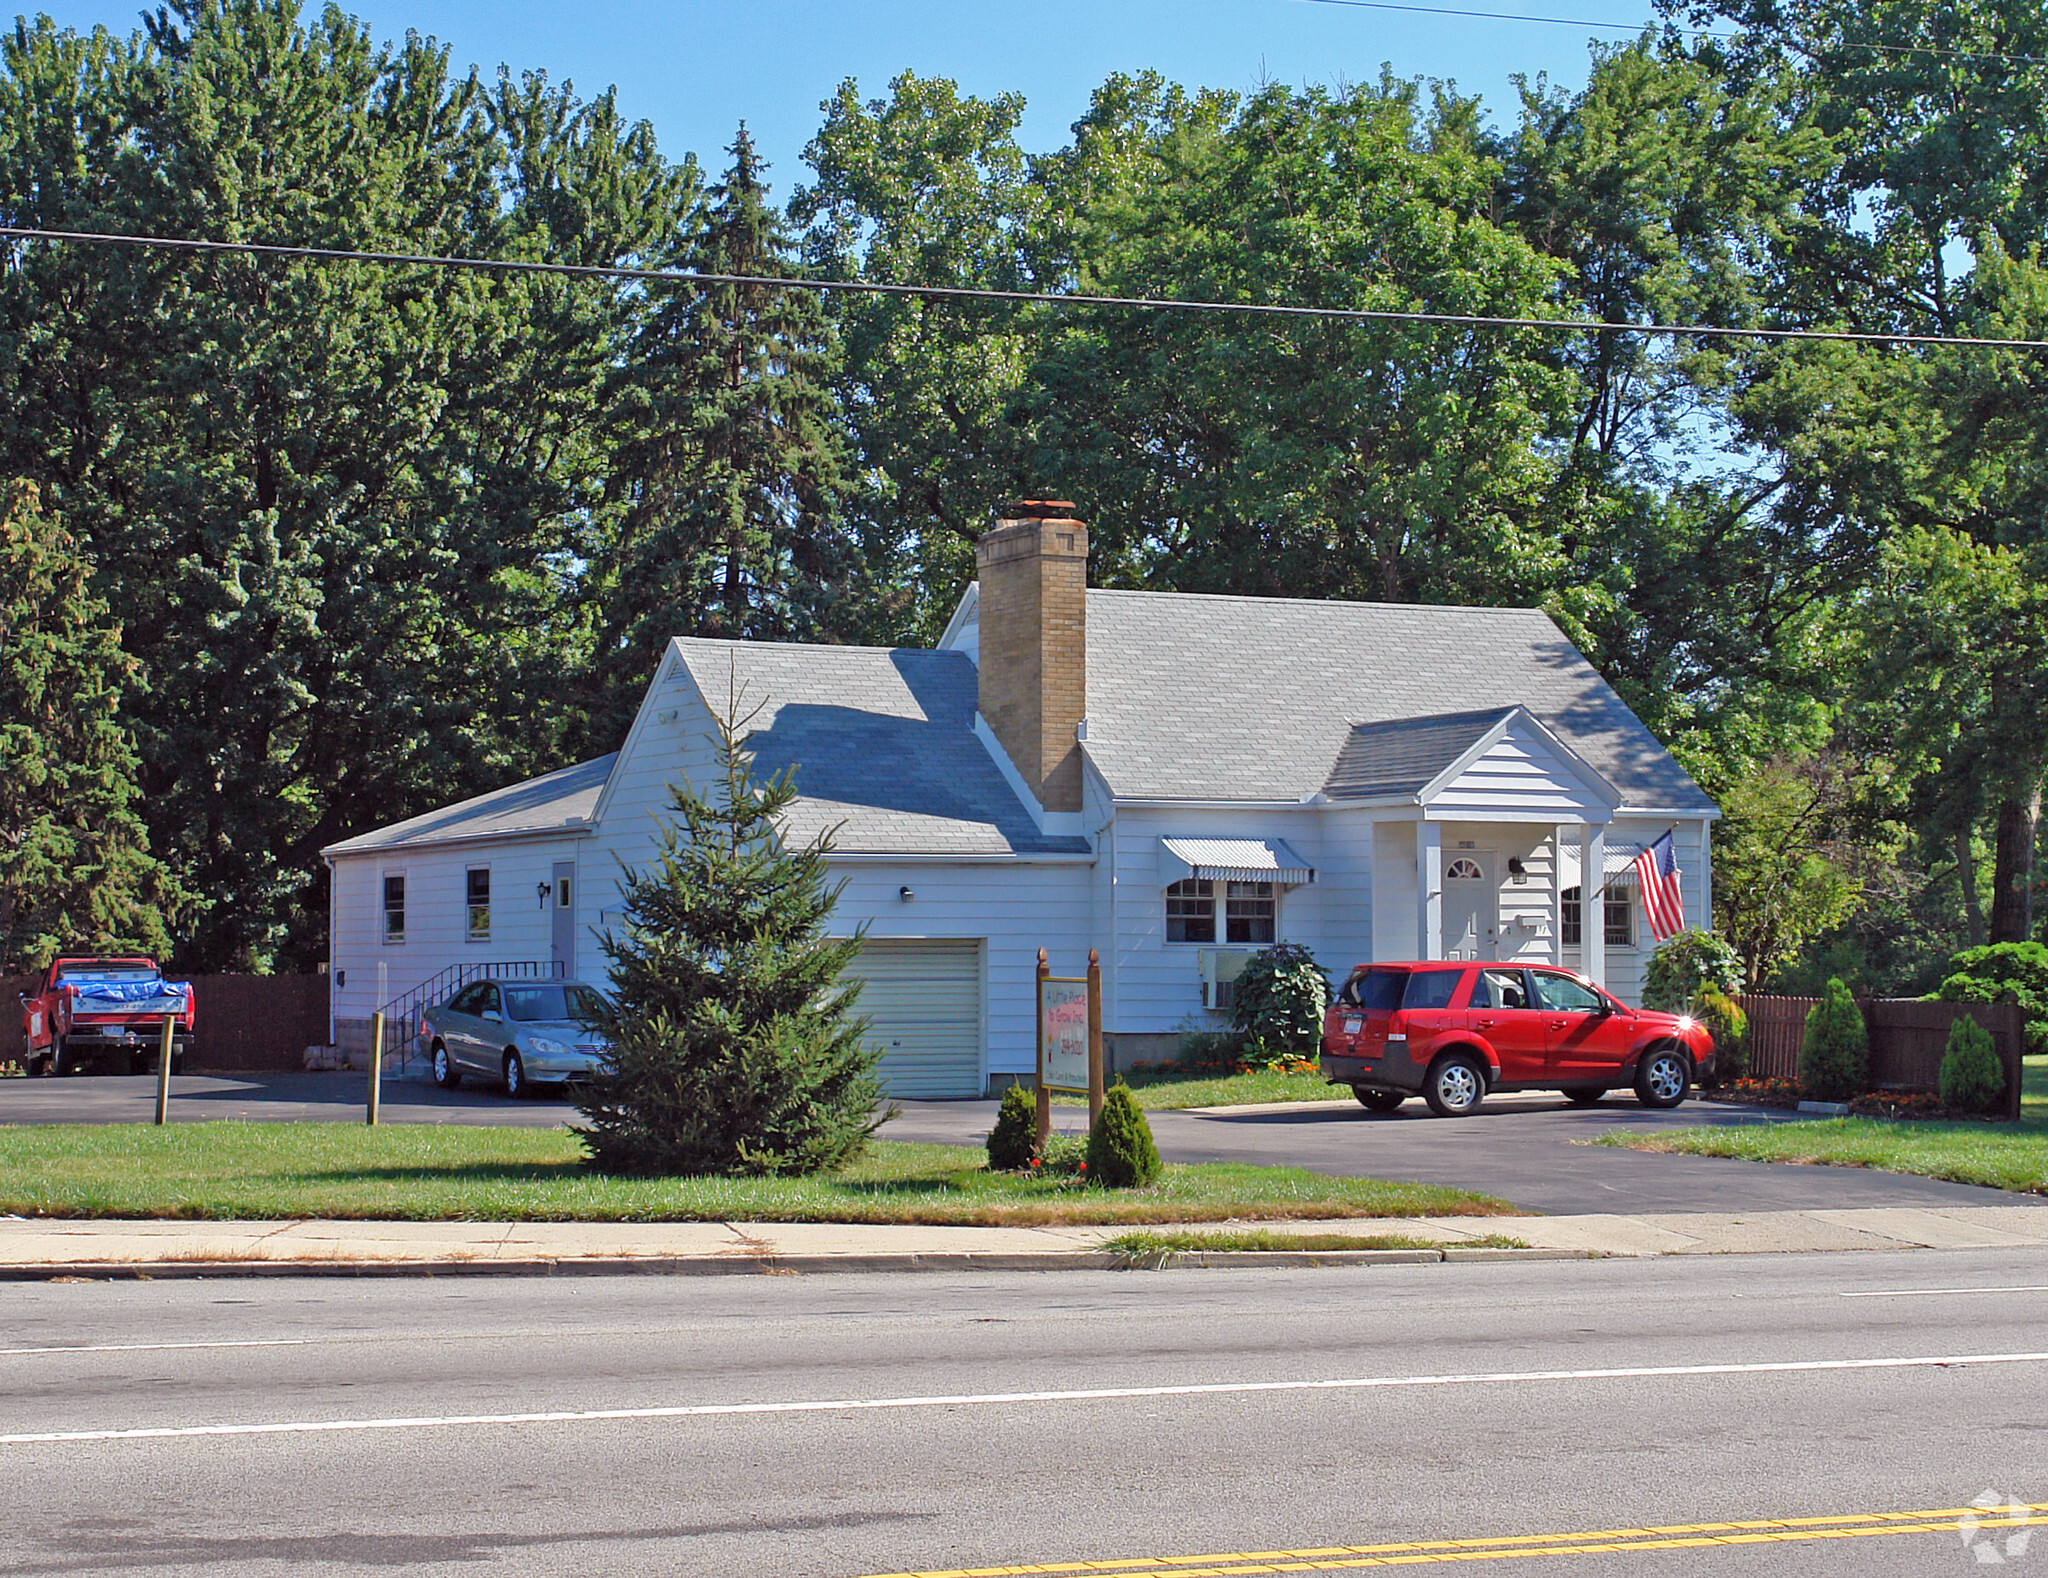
x=1277 y=1004
x=1121 y=1152
x=1834 y=1062
x=1014 y=1140
x=1685 y=962
x=2005 y=972
x=1972 y=1079
x=1729 y=1026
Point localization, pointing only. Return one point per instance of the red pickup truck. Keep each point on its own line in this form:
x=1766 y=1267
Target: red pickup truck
x=1453 y=1032
x=104 y=1013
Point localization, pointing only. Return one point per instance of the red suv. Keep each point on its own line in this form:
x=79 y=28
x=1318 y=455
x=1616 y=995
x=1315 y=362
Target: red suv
x=1451 y=1031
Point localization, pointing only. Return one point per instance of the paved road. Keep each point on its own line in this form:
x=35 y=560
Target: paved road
x=1522 y=1148
x=1542 y=1423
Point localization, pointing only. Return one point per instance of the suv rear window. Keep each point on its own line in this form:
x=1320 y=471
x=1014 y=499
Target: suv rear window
x=1382 y=991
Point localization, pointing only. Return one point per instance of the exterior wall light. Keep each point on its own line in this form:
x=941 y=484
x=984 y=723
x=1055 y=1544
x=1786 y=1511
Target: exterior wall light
x=905 y=894
x=1517 y=872
x=544 y=894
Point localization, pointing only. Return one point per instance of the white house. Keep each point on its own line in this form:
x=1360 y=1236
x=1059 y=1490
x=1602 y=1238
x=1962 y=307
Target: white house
x=1171 y=779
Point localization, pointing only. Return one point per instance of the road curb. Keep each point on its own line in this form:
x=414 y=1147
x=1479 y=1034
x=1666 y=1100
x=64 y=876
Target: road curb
x=772 y=1265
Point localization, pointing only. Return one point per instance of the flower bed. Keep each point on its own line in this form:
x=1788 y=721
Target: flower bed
x=1785 y=1094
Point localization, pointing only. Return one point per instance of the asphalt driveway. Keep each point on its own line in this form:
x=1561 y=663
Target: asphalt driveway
x=1520 y=1148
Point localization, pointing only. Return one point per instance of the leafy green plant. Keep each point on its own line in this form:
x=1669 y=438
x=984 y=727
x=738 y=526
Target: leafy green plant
x=1972 y=1079
x=1834 y=1060
x=1013 y=1142
x=2004 y=972
x=1729 y=1026
x=1121 y=1151
x=1277 y=1004
x=1684 y=963
x=1218 y=1050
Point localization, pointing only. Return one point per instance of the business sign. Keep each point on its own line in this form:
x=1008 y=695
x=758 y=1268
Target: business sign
x=1062 y=1033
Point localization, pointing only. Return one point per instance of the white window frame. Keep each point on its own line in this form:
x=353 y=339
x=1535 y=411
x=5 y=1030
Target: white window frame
x=1619 y=905
x=473 y=929
x=1218 y=898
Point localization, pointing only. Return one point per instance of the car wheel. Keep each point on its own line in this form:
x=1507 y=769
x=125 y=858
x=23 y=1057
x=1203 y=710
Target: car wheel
x=36 y=1067
x=446 y=1074
x=1662 y=1077
x=515 y=1076
x=1378 y=1100
x=1585 y=1095
x=1455 y=1087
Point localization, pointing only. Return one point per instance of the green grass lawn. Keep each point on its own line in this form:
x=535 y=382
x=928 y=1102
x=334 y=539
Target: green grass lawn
x=2011 y=1156
x=1265 y=1240
x=436 y=1172
x=1159 y=1088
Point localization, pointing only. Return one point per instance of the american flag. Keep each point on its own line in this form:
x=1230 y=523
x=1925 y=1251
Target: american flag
x=1663 y=903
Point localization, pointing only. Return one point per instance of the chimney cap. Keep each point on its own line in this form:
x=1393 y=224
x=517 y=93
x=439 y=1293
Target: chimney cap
x=1038 y=509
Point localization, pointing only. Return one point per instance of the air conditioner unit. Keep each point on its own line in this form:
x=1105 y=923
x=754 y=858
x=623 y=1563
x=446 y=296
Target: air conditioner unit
x=1220 y=968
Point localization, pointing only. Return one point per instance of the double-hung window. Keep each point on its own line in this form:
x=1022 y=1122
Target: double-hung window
x=1619 y=918
x=1249 y=911
x=394 y=908
x=478 y=901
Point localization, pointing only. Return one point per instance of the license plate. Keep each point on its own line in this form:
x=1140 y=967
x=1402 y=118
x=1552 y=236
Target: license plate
x=1353 y=1026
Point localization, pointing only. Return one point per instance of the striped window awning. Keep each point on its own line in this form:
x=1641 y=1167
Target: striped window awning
x=1234 y=860
x=1620 y=866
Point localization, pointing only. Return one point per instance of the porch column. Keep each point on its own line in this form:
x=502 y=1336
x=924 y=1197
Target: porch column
x=1429 y=889
x=1593 y=902
x=1557 y=887
x=1702 y=903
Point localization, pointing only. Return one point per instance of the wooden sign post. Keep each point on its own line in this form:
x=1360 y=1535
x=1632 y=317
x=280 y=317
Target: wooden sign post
x=163 y=1069
x=1069 y=1038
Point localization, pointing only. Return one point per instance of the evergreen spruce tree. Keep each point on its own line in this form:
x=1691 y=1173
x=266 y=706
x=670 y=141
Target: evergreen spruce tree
x=736 y=1047
x=729 y=465
x=75 y=866
x=1834 y=1059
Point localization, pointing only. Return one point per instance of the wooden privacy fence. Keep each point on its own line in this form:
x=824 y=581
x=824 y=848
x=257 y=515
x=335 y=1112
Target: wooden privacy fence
x=1907 y=1039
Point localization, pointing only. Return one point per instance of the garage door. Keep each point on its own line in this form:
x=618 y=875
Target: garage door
x=923 y=1000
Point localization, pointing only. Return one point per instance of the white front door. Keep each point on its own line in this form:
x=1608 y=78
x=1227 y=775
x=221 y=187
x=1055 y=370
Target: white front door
x=1471 y=906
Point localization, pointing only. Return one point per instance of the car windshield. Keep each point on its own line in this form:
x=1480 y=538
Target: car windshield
x=1375 y=990
x=556 y=1002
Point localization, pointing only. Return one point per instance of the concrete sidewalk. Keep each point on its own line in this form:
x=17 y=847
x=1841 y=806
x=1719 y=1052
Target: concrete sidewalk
x=31 y=1249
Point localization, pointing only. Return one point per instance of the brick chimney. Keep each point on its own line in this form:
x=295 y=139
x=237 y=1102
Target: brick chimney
x=1034 y=644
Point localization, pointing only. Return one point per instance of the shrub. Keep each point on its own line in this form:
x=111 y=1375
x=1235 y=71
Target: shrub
x=1216 y=1050
x=1972 y=1079
x=2015 y=972
x=1014 y=1139
x=1684 y=963
x=1834 y=1062
x=1277 y=1003
x=1121 y=1153
x=1729 y=1026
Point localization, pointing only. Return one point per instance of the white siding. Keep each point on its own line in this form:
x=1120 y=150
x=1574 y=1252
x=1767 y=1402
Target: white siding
x=1396 y=928
x=1626 y=966
x=436 y=915
x=1521 y=775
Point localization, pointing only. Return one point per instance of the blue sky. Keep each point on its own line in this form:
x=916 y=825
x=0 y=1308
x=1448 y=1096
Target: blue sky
x=695 y=69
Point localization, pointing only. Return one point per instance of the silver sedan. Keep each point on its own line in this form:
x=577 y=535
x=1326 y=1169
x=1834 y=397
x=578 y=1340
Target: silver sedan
x=518 y=1032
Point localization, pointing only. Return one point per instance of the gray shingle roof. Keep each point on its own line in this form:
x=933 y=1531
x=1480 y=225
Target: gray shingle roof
x=556 y=801
x=1402 y=755
x=1197 y=697
x=882 y=741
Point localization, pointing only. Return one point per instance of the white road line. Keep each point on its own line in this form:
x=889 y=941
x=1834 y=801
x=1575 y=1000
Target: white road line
x=1925 y=1293
x=161 y=1347
x=989 y=1399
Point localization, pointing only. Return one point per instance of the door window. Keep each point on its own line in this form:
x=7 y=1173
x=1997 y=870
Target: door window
x=1500 y=989
x=466 y=1001
x=1431 y=989
x=1563 y=995
x=487 y=999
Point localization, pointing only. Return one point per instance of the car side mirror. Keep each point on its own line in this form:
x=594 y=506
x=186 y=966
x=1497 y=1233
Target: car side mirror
x=493 y=1016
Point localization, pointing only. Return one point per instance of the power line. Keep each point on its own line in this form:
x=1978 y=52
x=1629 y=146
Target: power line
x=663 y=276
x=1689 y=32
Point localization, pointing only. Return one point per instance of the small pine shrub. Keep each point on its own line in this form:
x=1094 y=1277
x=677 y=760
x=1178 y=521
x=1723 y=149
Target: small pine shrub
x=1014 y=1139
x=1834 y=1062
x=1121 y=1152
x=1971 y=1078
x=1729 y=1026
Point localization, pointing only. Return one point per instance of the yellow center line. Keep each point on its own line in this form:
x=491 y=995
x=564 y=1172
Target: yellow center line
x=1586 y=1542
